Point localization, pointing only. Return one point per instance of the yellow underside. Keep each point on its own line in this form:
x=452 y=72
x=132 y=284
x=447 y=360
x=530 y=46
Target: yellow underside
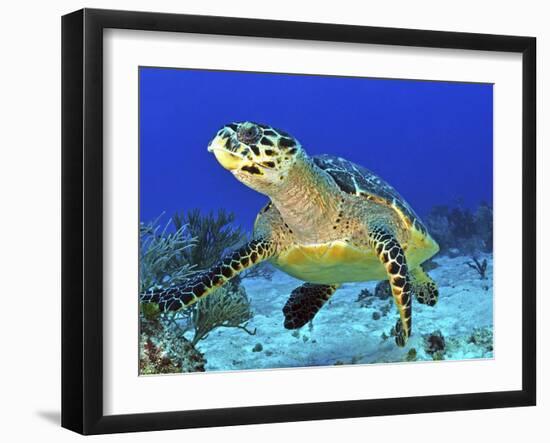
x=339 y=262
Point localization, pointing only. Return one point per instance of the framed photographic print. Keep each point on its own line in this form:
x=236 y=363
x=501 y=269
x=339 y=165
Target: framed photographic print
x=278 y=221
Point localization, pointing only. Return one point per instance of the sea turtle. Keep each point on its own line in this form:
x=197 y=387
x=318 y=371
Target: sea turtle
x=328 y=222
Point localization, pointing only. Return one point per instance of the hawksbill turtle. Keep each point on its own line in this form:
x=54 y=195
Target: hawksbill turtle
x=328 y=222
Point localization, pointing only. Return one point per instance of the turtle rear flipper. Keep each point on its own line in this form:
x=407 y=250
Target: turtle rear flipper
x=423 y=286
x=204 y=283
x=304 y=302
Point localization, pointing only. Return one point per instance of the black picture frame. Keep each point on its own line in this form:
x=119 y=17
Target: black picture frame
x=82 y=218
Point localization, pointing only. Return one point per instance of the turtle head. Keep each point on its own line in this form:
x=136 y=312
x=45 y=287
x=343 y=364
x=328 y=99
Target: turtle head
x=257 y=155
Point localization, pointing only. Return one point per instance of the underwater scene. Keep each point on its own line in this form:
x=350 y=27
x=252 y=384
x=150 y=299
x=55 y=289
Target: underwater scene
x=292 y=221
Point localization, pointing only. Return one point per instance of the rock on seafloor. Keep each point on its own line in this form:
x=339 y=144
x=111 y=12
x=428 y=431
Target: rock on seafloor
x=346 y=331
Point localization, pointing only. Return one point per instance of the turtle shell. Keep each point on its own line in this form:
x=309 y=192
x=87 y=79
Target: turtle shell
x=355 y=179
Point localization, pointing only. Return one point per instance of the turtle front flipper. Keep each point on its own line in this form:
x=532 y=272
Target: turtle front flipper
x=304 y=302
x=392 y=256
x=204 y=283
x=423 y=287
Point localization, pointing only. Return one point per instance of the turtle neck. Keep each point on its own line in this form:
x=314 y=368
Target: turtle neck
x=308 y=200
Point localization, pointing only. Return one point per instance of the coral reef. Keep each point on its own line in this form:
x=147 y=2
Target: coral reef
x=364 y=298
x=476 y=344
x=479 y=266
x=213 y=234
x=168 y=256
x=460 y=231
x=411 y=355
x=227 y=307
x=482 y=337
x=163 y=348
x=483 y=218
x=434 y=345
x=163 y=255
x=383 y=290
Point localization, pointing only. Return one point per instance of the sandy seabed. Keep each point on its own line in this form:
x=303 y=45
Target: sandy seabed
x=347 y=331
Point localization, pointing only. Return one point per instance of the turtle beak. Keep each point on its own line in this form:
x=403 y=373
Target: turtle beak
x=228 y=159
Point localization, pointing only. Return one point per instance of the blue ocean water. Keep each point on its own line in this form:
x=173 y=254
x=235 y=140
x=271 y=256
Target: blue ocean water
x=432 y=141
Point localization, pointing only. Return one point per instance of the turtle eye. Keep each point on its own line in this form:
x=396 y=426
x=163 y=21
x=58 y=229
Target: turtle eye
x=248 y=134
